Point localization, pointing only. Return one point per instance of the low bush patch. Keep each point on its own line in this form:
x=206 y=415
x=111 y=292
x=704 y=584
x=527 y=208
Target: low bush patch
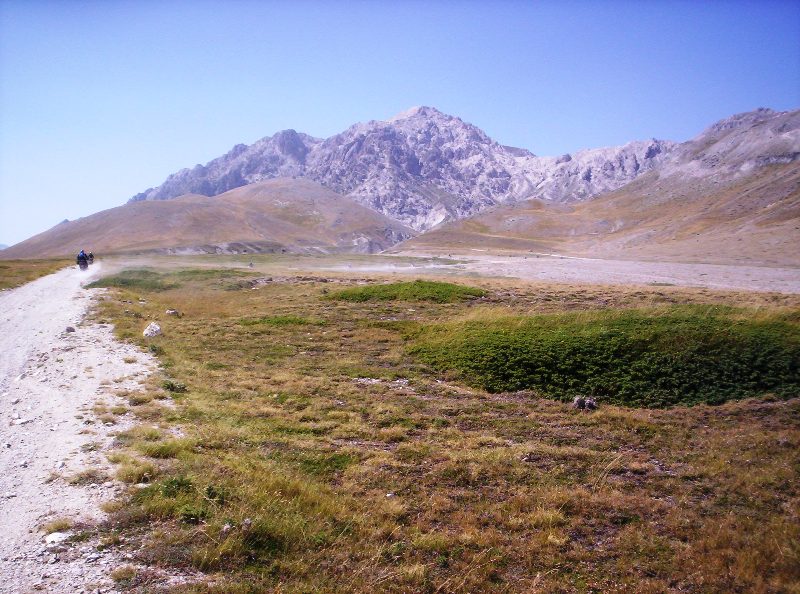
x=173 y=386
x=637 y=358
x=280 y=321
x=174 y=486
x=138 y=278
x=418 y=290
x=190 y=514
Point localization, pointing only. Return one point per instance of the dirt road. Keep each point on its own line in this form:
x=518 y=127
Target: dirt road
x=50 y=380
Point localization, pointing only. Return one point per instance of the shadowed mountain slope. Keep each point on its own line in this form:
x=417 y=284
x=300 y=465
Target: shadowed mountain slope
x=296 y=215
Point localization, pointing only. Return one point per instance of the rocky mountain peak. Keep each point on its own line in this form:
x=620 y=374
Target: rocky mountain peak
x=747 y=118
x=422 y=166
x=735 y=145
x=291 y=144
x=423 y=122
x=420 y=112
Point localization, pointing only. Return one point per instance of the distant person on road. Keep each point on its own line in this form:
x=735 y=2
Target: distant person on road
x=82 y=260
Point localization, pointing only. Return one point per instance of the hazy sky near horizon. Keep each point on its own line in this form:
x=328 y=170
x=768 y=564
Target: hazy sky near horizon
x=100 y=100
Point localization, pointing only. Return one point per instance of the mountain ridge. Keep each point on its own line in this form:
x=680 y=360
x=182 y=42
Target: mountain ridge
x=421 y=167
x=732 y=191
x=730 y=194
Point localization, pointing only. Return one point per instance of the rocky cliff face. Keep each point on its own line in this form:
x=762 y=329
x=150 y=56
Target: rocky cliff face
x=423 y=167
x=282 y=155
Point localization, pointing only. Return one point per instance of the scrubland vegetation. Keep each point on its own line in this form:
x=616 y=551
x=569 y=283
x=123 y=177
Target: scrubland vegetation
x=334 y=437
x=643 y=357
x=419 y=290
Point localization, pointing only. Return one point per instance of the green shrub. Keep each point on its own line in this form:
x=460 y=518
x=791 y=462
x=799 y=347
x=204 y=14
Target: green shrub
x=173 y=386
x=418 y=290
x=641 y=358
x=138 y=278
x=281 y=321
x=172 y=487
x=216 y=494
x=190 y=514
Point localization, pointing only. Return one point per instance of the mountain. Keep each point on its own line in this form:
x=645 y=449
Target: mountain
x=278 y=214
x=731 y=194
x=282 y=155
x=3 y=246
x=421 y=167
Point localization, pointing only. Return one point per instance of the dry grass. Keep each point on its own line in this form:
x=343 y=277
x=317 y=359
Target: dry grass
x=90 y=476
x=241 y=218
x=14 y=273
x=57 y=525
x=123 y=574
x=321 y=458
x=135 y=472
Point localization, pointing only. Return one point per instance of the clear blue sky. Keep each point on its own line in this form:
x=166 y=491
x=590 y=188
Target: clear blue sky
x=102 y=99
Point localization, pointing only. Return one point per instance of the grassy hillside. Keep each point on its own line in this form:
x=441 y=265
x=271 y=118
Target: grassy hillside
x=308 y=451
x=295 y=215
x=754 y=219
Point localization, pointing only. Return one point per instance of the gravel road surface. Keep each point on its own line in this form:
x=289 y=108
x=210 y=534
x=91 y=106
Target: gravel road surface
x=50 y=379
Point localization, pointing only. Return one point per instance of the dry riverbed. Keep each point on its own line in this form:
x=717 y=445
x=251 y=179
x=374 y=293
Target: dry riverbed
x=569 y=269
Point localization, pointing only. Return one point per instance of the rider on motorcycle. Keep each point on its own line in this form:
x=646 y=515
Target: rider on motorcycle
x=82 y=260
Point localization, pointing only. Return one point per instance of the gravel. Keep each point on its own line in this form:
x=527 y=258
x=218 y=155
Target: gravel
x=49 y=382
